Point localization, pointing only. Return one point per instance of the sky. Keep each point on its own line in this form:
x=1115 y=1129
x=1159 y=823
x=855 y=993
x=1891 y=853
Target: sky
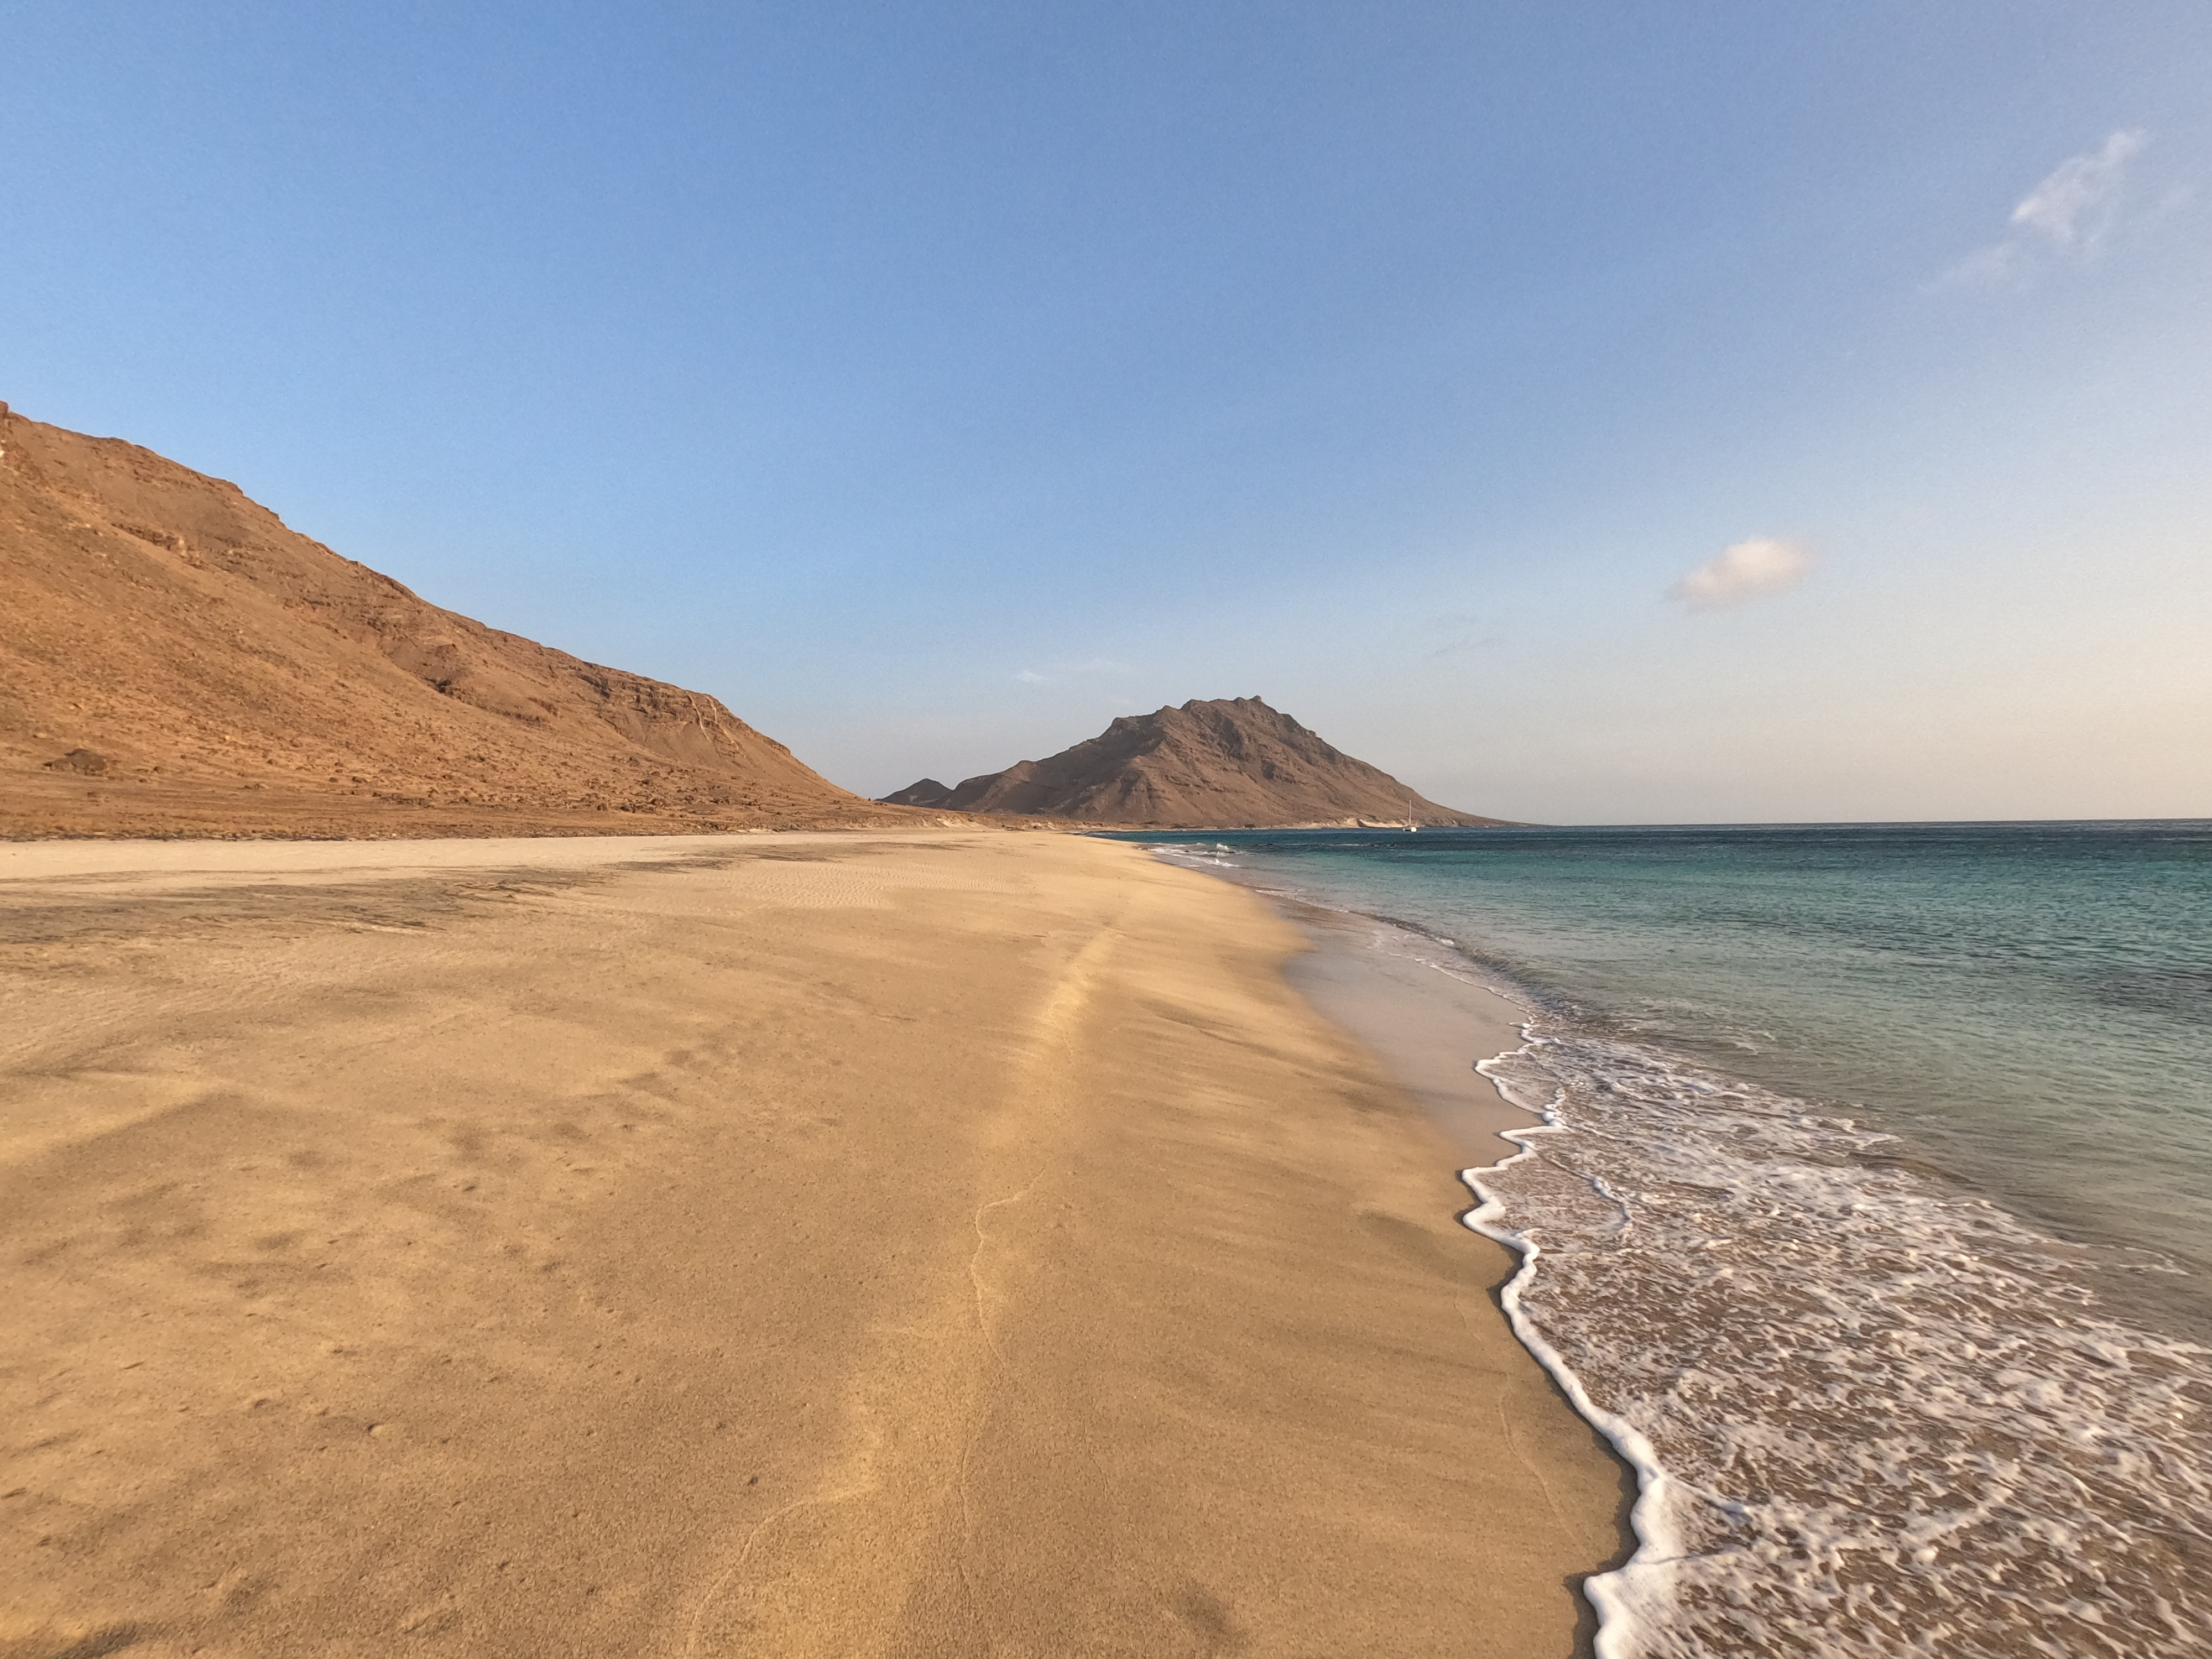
x=1591 y=413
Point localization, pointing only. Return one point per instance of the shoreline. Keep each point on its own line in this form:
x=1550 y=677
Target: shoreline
x=1618 y=1596
x=1434 y=1032
x=1735 y=1277
x=1432 y=1029
x=843 y=1244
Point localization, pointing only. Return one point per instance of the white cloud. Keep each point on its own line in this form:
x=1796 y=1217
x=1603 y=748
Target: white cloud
x=1746 y=570
x=1988 y=267
x=2073 y=206
x=1065 y=670
x=2067 y=216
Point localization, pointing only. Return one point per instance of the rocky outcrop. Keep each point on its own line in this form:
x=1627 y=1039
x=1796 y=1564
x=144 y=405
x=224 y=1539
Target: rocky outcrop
x=928 y=793
x=1229 y=763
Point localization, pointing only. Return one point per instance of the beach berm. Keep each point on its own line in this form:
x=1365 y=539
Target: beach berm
x=952 y=1242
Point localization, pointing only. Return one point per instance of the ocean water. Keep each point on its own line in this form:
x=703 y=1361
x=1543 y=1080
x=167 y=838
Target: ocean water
x=1870 y=1215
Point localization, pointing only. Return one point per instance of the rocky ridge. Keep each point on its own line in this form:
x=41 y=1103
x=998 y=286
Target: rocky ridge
x=177 y=661
x=1222 y=764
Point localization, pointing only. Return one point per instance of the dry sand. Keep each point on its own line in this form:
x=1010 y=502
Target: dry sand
x=955 y=1244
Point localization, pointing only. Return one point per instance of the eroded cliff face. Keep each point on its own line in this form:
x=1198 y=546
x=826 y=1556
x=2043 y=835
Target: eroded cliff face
x=231 y=676
x=1226 y=764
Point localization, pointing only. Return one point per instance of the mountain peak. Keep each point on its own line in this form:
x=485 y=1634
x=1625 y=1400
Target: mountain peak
x=1216 y=763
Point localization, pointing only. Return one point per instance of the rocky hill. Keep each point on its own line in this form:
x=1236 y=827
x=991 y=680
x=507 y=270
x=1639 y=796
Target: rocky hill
x=927 y=792
x=176 y=661
x=1225 y=764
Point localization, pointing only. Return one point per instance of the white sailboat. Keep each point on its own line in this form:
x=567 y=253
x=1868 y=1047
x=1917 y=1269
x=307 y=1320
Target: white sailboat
x=1411 y=828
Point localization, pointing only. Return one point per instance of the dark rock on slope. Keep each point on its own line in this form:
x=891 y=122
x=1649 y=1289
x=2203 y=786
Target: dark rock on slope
x=1225 y=764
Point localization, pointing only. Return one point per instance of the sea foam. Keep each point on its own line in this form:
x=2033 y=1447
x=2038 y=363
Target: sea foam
x=1871 y=1414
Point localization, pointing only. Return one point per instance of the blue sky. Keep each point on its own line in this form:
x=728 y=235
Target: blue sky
x=932 y=383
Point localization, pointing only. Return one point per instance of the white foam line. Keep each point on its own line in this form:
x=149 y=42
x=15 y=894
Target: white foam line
x=1640 y=1583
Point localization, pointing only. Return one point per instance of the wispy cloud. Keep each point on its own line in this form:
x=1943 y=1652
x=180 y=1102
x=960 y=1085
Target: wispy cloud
x=2066 y=217
x=1459 y=632
x=1054 y=672
x=1746 y=570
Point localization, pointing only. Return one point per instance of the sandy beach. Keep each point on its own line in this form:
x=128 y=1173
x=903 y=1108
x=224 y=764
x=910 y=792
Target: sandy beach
x=850 y=1244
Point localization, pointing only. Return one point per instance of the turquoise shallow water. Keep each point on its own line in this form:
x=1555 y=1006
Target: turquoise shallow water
x=1873 y=1216
x=2029 y=1005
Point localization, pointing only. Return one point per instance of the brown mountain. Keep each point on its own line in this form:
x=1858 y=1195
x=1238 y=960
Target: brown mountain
x=927 y=792
x=1226 y=764
x=175 y=660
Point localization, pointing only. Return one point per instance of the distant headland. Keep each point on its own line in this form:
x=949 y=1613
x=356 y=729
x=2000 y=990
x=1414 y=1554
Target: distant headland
x=1225 y=763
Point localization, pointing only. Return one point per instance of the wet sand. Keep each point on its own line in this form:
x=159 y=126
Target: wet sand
x=937 y=1244
x=1428 y=1028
